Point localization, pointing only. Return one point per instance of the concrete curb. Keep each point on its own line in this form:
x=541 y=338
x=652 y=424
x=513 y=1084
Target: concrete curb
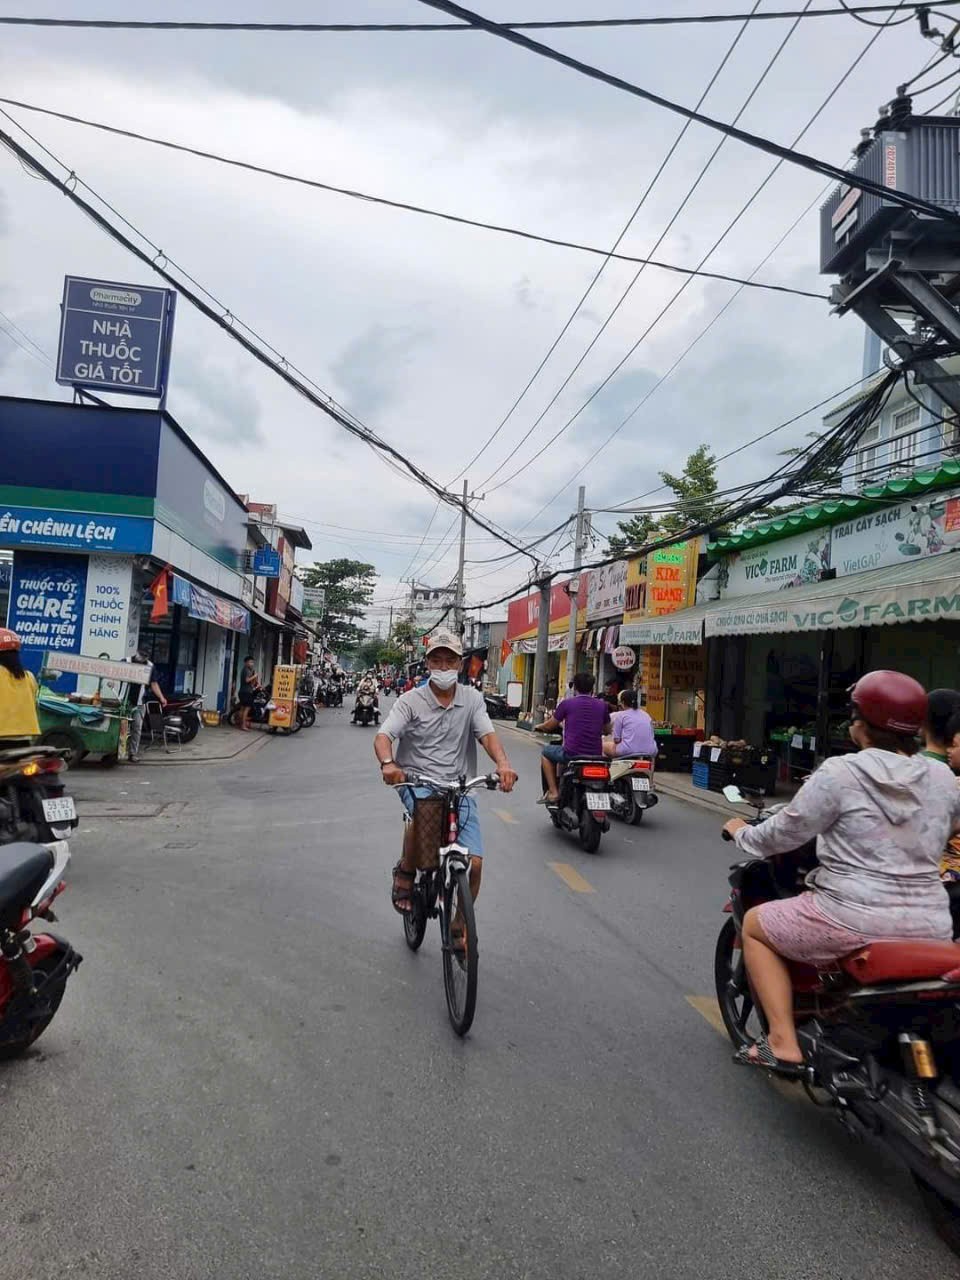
x=247 y=749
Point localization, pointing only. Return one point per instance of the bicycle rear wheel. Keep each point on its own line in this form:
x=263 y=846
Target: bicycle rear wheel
x=460 y=967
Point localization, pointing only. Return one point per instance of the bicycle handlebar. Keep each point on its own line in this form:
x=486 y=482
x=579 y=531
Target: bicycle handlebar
x=489 y=780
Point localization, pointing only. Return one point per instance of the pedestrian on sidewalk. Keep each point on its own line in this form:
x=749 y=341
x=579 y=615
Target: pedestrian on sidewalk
x=249 y=684
x=140 y=709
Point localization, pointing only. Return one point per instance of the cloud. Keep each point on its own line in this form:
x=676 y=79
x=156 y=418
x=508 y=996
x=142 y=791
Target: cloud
x=372 y=365
x=215 y=397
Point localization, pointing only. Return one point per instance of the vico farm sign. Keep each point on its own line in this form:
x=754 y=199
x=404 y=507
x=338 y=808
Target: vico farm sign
x=881 y=607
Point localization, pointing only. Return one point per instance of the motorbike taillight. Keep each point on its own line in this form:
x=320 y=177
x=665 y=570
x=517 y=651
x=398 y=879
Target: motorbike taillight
x=595 y=771
x=642 y=766
x=52 y=765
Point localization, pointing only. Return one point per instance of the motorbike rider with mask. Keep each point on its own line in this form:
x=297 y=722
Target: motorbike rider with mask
x=367 y=687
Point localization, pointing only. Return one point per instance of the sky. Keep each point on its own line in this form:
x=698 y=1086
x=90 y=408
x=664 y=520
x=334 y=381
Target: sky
x=426 y=331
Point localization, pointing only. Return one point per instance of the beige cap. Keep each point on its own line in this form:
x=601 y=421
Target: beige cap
x=445 y=640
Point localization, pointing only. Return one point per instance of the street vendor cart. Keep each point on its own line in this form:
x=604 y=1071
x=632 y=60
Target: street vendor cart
x=89 y=724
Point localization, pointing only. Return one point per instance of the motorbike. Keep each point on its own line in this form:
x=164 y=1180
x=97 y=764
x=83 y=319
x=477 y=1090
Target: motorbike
x=188 y=709
x=366 y=711
x=34 y=967
x=33 y=803
x=306 y=711
x=585 y=799
x=879 y=1029
x=632 y=793
x=497 y=708
x=259 y=708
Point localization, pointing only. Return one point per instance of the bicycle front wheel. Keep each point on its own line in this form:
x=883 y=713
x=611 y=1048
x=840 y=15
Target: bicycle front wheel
x=460 y=967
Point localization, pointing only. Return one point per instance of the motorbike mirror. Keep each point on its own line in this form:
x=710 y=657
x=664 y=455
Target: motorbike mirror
x=734 y=795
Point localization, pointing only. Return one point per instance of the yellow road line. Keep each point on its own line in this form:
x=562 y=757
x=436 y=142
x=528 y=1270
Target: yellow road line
x=506 y=816
x=708 y=1009
x=571 y=877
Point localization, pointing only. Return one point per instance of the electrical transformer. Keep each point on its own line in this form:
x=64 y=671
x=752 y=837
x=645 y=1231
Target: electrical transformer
x=913 y=154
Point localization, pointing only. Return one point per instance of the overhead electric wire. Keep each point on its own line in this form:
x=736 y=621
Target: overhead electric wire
x=867 y=22
x=690 y=346
x=756 y=141
x=280 y=367
x=925 y=88
x=661 y=20
x=675 y=297
x=33 y=349
x=403 y=206
x=687 y=124
x=704 y=170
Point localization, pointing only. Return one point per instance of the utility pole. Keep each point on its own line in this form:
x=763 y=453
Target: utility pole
x=461 y=598
x=390 y=625
x=543 y=642
x=579 y=542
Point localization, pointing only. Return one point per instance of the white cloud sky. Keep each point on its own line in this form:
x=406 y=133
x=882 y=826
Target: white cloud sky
x=426 y=330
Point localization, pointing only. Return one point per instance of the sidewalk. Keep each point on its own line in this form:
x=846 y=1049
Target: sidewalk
x=221 y=743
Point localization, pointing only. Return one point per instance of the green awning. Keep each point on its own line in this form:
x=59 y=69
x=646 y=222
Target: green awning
x=945 y=474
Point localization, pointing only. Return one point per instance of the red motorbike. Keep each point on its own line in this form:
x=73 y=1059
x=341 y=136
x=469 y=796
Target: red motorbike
x=34 y=967
x=879 y=1029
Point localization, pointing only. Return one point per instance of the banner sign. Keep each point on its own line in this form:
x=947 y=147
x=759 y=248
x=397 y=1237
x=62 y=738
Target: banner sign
x=776 y=566
x=283 y=695
x=78 y=530
x=296 y=594
x=671 y=578
x=114 y=337
x=554 y=644
x=46 y=604
x=927 y=526
x=666 y=630
x=100 y=668
x=314 y=599
x=872 y=607
x=266 y=563
x=207 y=607
x=605 y=590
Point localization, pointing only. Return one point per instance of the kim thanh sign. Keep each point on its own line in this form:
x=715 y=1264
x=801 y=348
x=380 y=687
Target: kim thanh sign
x=115 y=337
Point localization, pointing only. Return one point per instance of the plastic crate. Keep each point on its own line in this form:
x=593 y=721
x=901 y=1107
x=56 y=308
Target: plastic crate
x=720 y=776
x=701 y=774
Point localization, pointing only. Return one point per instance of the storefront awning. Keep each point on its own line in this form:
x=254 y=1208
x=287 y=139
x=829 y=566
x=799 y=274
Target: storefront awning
x=909 y=592
x=916 y=591
x=268 y=618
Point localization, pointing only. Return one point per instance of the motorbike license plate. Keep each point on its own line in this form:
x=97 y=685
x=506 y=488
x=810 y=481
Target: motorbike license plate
x=60 y=810
x=598 y=800
x=641 y=784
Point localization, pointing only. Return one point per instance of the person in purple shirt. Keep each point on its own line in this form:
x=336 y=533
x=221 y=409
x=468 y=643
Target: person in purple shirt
x=584 y=720
x=632 y=730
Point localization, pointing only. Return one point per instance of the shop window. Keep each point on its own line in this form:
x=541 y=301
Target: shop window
x=868 y=454
x=904 y=446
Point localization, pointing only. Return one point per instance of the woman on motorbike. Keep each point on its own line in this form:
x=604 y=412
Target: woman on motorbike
x=881 y=817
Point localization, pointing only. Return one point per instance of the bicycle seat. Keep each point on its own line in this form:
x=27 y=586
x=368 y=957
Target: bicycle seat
x=901 y=961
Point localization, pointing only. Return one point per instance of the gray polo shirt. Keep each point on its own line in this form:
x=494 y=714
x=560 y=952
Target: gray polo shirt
x=436 y=740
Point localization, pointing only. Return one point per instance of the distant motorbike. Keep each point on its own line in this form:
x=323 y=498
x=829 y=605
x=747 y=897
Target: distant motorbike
x=585 y=799
x=632 y=781
x=189 y=710
x=366 y=711
x=497 y=708
x=33 y=803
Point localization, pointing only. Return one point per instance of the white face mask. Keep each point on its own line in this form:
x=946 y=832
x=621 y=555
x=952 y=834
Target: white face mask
x=444 y=679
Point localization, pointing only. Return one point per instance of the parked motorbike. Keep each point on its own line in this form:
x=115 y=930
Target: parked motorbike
x=33 y=803
x=879 y=1029
x=497 y=708
x=632 y=794
x=188 y=708
x=366 y=711
x=34 y=967
x=306 y=711
x=259 y=708
x=584 y=800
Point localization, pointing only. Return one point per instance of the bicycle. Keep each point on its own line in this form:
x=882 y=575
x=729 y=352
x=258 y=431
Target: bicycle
x=443 y=891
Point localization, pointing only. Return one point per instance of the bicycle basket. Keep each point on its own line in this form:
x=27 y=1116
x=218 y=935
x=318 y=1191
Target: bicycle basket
x=428 y=831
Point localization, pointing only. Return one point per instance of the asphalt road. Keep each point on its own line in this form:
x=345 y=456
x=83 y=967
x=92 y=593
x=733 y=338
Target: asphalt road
x=251 y=1075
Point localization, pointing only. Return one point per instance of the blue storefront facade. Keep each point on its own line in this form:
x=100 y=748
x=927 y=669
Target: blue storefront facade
x=94 y=503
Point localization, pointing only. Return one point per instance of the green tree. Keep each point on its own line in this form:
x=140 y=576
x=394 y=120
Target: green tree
x=349 y=588
x=695 y=488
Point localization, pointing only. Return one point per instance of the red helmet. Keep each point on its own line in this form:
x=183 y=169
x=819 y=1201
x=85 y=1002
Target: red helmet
x=890 y=700
x=8 y=639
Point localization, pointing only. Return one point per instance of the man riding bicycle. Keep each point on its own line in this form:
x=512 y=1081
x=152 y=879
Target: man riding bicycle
x=433 y=730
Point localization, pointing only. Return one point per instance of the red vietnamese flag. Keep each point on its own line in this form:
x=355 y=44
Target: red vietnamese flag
x=160 y=589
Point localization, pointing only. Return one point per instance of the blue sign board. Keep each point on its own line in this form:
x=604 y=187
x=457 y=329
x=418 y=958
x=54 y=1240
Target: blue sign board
x=46 y=606
x=79 y=530
x=266 y=563
x=115 y=337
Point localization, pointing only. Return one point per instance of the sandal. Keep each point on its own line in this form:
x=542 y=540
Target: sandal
x=402 y=891
x=767 y=1060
